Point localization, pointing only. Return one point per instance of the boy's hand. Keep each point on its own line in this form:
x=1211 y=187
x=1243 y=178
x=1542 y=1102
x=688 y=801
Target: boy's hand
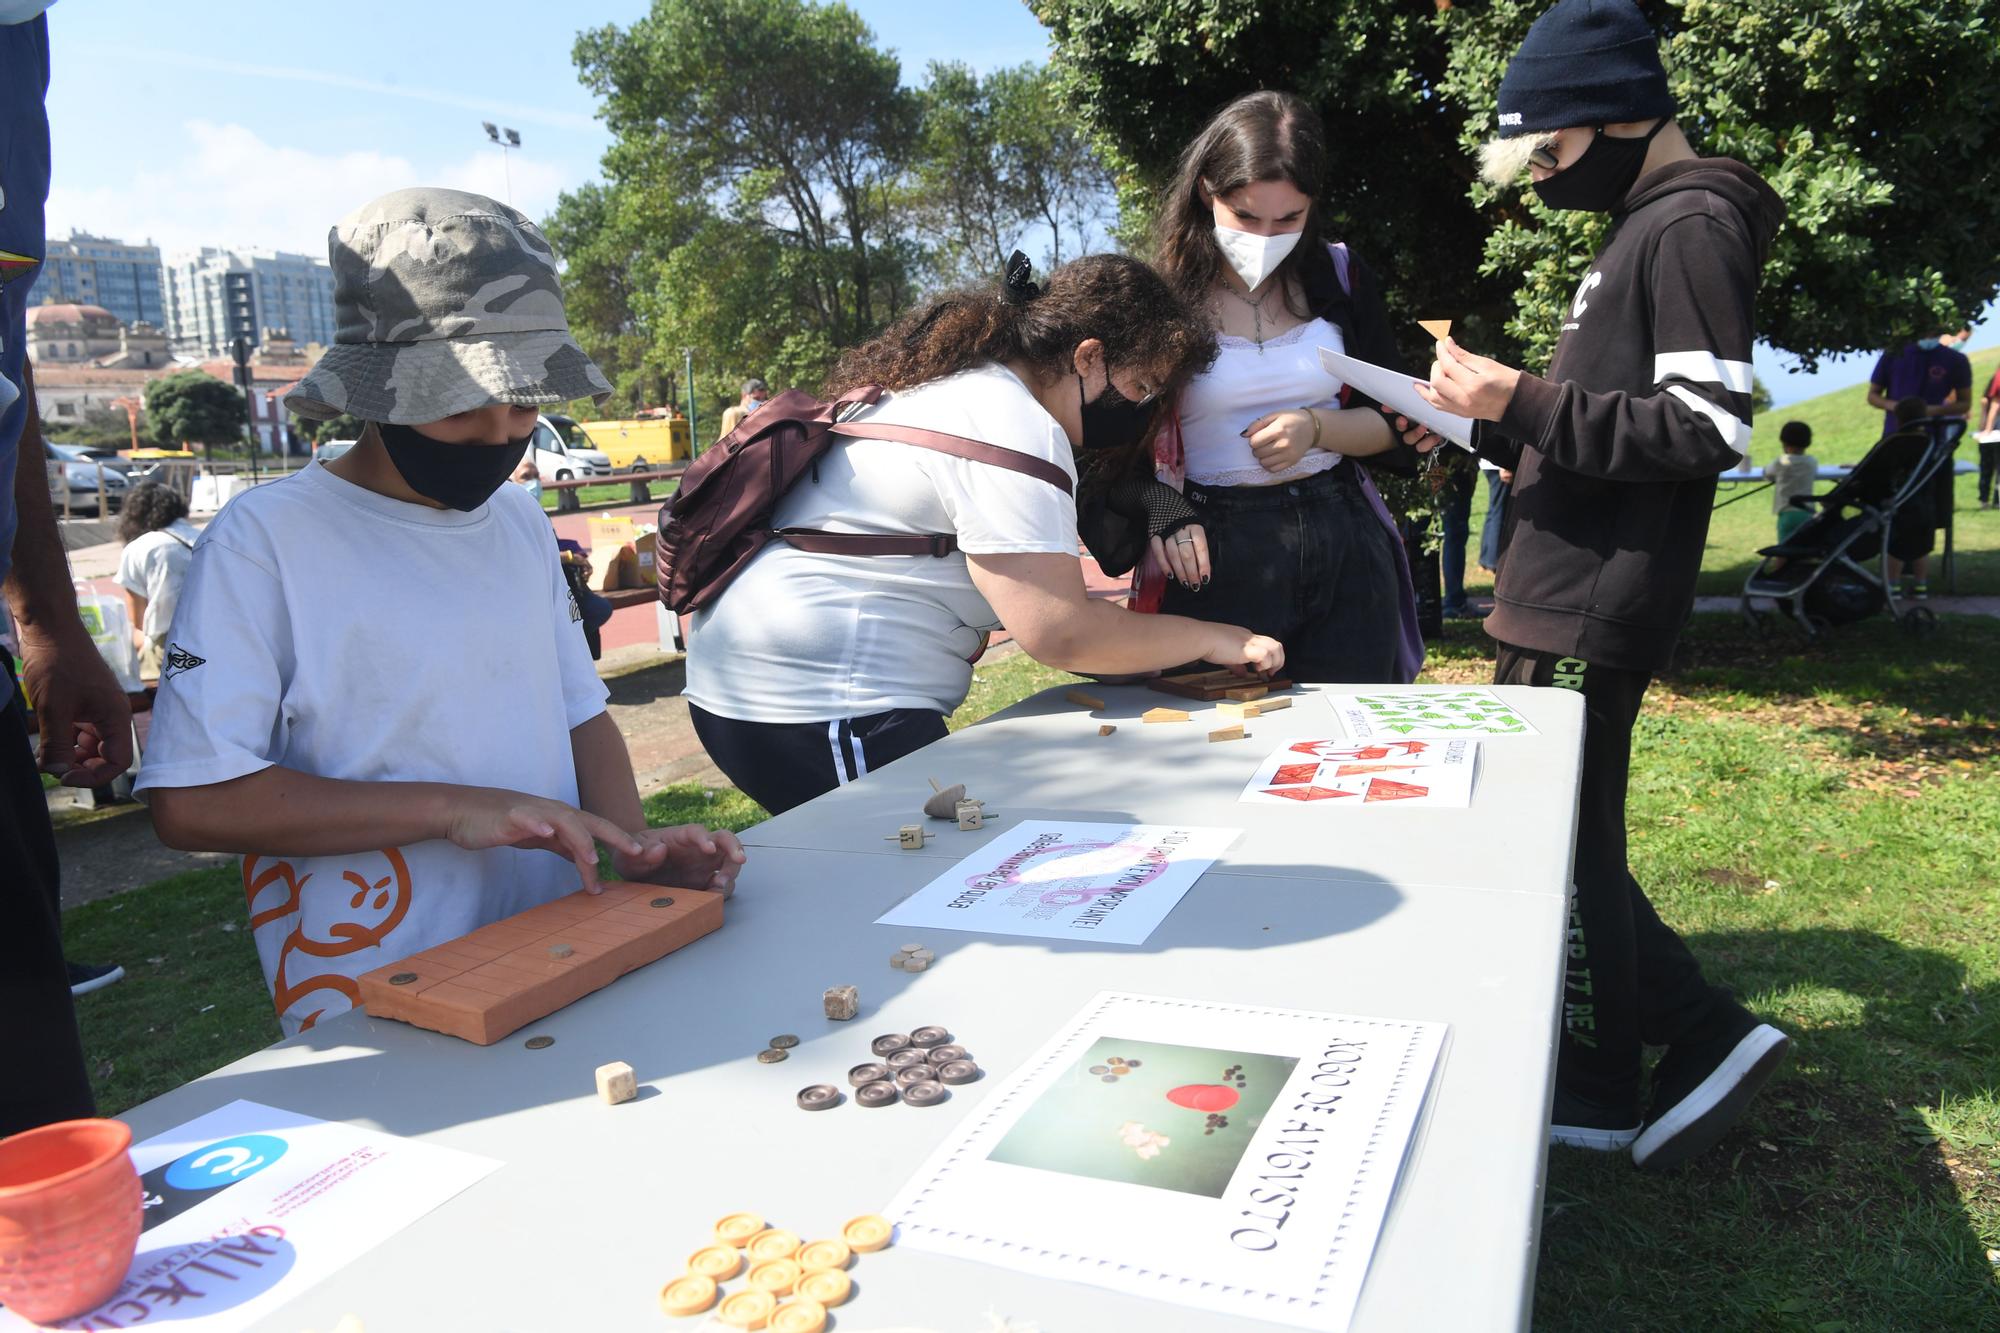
x=686 y=855
x=492 y=817
x=1471 y=386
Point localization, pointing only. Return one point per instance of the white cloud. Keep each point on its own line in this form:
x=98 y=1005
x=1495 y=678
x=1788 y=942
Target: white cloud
x=229 y=186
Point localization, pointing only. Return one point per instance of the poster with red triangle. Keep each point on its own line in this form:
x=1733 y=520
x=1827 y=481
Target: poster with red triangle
x=1427 y=773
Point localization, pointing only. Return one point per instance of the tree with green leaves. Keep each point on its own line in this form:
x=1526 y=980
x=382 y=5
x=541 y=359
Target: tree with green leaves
x=1874 y=119
x=194 y=407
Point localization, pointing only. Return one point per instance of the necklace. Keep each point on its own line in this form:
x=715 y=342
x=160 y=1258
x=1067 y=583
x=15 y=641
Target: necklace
x=1256 y=314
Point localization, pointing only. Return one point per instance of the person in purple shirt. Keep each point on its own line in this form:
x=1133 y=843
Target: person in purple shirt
x=86 y=721
x=1931 y=369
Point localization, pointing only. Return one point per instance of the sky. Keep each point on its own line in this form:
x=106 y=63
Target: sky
x=254 y=123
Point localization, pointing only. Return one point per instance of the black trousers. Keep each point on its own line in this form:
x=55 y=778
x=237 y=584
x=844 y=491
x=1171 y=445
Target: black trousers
x=1989 y=468
x=42 y=1074
x=1630 y=980
x=783 y=764
x=1306 y=563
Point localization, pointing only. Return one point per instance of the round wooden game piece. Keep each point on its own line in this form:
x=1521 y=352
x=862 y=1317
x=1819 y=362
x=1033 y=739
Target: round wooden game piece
x=775 y=1243
x=958 y=1071
x=560 y=950
x=819 y=1254
x=719 y=1262
x=690 y=1294
x=916 y=964
x=402 y=978
x=828 y=1286
x=904 y=1058
x=663 y=902
x=820 y=1097
x=784 y=1041
x=771 y=1055
x=868 y=1073
x=747 y=1309
x=737 y=1228
x=539 y=1043
x=866 y=1234
x=913 y=948
x=944 y=1055
x=777 y=1276
x=798 y=1316
x=888 y=1043
x=912 y=1074
x=877 y=1094
x=928 y=1037
x=925 y=1094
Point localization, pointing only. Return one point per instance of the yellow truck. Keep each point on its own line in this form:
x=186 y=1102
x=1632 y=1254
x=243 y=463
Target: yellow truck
x=650 y=441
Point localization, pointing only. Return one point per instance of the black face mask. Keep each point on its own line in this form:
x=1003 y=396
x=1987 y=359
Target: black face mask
x=1113 y=420
x=1598 y=181
x=457 y=476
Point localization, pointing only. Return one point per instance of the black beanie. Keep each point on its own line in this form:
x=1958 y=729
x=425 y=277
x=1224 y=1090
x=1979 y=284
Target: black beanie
x=1584 y=62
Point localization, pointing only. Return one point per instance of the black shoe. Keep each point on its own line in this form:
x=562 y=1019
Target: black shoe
x=1576 y=1123
x=87 y=977
x=1699 y=1091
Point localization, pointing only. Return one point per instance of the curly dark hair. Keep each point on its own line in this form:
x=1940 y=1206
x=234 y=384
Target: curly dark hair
x=148 y=508
x=1263 y=136
x=1112 y=298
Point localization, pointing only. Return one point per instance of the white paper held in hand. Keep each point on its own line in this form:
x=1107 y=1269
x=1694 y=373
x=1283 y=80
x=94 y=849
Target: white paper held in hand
x=1392 y=389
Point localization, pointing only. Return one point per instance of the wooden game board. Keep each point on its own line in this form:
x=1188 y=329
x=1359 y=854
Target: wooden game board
x=503 y=976
x=1209 y=686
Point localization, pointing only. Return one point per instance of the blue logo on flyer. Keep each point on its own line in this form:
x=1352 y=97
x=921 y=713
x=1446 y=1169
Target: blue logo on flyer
x=225 y=1162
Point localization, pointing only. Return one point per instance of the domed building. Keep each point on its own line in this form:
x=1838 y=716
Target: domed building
x=69 y=334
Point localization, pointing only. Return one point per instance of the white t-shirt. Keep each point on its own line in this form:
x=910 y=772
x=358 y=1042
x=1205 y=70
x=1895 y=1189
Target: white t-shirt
x=1245 y=383
x=153 y=565
x=348 y=635
x=809 y=638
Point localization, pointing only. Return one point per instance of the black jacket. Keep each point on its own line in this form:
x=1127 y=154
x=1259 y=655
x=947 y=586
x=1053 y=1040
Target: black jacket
x=1616 y=452
x=1120 y=508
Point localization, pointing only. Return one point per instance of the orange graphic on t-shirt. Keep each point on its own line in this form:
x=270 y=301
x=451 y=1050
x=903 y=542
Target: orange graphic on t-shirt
x=378 y=905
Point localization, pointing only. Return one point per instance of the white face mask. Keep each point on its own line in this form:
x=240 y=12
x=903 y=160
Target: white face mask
x=533 y=486
x=1254 y=257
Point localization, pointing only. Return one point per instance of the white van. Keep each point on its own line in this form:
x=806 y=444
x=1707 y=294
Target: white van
x=555 y=460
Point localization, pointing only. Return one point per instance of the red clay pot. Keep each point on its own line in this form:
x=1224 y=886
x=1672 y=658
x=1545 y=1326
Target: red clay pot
x=70 y=1210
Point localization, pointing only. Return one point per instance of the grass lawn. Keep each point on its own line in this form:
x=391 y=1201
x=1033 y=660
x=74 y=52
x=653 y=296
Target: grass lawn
x=614 y=493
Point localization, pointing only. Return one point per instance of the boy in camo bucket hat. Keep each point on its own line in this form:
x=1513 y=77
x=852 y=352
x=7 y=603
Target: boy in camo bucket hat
x=376 y=686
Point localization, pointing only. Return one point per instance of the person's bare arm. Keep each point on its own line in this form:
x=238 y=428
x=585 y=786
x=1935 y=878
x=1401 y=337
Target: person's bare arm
x=136 y=604
x=280 y=811
x=85 y=718
x=686 y=855
x=1992 y=411
x=1041 y=600
x=1877 y=399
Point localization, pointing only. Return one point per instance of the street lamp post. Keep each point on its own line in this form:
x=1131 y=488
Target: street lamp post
x=694 y=429
x=512 y=140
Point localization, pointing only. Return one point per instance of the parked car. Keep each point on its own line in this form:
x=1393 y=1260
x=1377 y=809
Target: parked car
x=328 y=450
x=80 y=474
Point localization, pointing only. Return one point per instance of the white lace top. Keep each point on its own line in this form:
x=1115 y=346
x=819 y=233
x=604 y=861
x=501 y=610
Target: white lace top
x=1245 y=383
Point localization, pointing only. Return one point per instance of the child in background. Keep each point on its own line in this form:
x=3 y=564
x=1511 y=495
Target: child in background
x=377 y=689
x=1792 y=477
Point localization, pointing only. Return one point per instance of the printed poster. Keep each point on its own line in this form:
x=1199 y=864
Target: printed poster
x=1231 y=1158
x=1355 y=774
x=248 y=1205
x=1054 y=880
x=1428 y=715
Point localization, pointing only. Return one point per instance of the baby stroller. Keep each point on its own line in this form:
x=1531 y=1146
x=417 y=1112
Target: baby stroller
x=1835 y=569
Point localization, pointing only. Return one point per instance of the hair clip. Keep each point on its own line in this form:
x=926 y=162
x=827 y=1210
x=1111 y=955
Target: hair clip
x=1018 y=287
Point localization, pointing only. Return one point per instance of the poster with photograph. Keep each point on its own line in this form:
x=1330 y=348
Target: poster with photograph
x=1342 y=774
x=1055 y=880
x=1229 y=1157
x=1437 y=714
x=247 y=1206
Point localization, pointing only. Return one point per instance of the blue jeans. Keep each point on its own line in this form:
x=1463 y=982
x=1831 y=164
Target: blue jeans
x=1457 y=528
x=1496 y=521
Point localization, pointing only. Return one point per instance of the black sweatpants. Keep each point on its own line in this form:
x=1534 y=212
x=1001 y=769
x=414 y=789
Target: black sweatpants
x=783 y=764
x=42 y=1074
x=1629 y=981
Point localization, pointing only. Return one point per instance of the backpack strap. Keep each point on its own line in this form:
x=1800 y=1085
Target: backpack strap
x=959 y=446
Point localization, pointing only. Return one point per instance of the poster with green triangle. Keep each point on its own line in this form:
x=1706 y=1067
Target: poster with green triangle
x=1428 y=714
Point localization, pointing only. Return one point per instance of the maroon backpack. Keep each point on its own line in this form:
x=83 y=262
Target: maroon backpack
x=721 y=516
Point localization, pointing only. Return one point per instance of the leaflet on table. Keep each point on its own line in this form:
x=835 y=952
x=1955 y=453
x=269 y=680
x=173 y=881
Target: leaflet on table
x=1339 y=773
x=1428 y=714
x=1393 y=390
x=248 y=1206
x=1067 y=881
x=1232 y=1158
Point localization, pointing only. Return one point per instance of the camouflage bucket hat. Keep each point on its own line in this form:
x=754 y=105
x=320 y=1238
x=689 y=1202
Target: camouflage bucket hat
x=443 y=302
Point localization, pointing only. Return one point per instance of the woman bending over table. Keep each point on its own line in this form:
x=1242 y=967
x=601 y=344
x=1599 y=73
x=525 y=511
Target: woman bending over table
x=814 y=668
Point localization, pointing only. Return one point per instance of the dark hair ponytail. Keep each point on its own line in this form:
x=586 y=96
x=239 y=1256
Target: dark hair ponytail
x=1115 y=299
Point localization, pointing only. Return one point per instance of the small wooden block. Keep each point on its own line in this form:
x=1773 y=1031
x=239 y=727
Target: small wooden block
x=1245 y=693
x=1082 y=700
x=1232 y=710
x=1272 y=704
x=1163 y=715
x=911 y=836
x=1234 y=733
x=615 y=1083
x=970 y=816
x=1106 y=729
x=1439 y=329
x=842 y=1002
